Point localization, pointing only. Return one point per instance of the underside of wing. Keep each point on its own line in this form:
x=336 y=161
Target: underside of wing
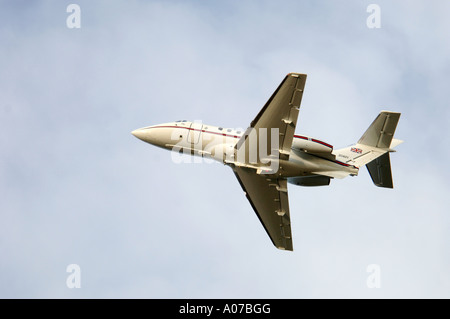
x=277 y=119
x=269 y=199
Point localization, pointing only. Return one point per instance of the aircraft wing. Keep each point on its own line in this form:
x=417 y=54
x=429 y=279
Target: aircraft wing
x=280 y=112
x=269 y=199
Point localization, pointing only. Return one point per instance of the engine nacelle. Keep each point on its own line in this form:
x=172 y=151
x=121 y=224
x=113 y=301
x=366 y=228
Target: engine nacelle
x=310 y=180
x=310 y=145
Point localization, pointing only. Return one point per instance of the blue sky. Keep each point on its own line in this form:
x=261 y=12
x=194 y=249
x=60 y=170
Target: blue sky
x=77 y=188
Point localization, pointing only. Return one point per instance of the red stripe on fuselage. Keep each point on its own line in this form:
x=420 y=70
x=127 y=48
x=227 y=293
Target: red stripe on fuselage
x=194 y=129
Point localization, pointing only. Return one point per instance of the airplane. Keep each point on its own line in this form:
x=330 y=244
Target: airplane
x=269 y=155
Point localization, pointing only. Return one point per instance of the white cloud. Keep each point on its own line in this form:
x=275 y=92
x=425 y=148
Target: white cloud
x=78 y=188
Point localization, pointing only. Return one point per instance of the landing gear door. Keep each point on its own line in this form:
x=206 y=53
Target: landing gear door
x=195 y=132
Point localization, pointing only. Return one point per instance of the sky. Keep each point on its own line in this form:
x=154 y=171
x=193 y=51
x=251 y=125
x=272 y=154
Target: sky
x=76 y=188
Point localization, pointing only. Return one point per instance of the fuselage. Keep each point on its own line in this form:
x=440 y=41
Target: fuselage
x=308 y=156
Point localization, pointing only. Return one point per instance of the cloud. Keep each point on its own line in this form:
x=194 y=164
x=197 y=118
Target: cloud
x=77 y=187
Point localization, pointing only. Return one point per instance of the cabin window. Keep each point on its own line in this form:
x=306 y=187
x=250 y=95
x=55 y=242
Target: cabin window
x=220 y=128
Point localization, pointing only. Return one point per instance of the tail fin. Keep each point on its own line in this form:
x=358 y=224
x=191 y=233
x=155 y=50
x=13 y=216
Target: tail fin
x=373 y=149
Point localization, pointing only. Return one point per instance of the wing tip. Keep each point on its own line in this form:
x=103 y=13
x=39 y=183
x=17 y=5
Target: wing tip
x=296 y=75
x=285 y=248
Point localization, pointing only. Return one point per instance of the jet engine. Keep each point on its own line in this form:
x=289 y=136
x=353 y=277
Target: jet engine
x=316 y=180
x=310 y=145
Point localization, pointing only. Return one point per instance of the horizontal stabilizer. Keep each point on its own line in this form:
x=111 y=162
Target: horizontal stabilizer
x=380 y=171
x=381 y=131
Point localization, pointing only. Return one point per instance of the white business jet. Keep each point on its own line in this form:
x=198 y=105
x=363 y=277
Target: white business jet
x=268 y=155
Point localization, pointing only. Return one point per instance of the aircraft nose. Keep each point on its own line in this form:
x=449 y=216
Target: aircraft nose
x=139 y=133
